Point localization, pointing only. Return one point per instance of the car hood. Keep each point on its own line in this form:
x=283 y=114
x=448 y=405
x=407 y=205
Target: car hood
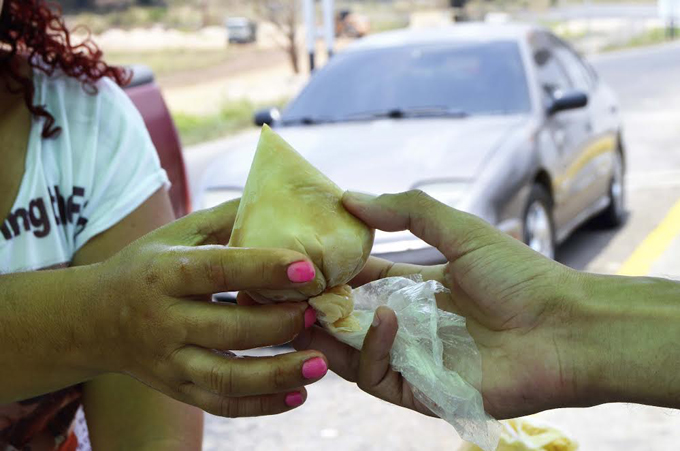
x=380 y=156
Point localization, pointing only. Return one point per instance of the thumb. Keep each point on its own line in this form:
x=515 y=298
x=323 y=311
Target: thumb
x=210 y=226
x=451 y=231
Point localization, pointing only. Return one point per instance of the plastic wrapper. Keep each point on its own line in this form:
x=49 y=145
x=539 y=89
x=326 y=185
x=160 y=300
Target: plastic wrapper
x=432 y=350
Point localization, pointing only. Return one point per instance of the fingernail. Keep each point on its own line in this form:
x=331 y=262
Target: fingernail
x=359 y=197
x=310 y=317
x=301 y=272
x=294 y=399
x=314 y=368
x=376 y=320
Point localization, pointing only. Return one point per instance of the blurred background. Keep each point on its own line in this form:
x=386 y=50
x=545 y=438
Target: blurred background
x=558 y=121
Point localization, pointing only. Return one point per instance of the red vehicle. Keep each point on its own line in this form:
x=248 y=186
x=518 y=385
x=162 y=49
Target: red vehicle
x=146 y=95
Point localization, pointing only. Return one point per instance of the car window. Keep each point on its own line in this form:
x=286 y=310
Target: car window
x=473 y=78
x=574 y=66
x=550 y=72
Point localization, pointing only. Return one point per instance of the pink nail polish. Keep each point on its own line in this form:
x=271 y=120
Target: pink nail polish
x=301 y=272
x=310 y=317
x=294 y=399
x=314 y=368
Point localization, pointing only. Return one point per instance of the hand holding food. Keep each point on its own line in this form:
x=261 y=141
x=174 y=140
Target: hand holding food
x=160 y=327
x=287 y=203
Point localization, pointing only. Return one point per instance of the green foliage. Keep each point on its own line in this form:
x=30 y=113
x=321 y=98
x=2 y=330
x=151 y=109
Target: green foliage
x=650 y=37
x=233 y=117
x=171 y=61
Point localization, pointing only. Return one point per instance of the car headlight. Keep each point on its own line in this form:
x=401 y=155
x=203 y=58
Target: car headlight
x=451 y=193
x=217 y=195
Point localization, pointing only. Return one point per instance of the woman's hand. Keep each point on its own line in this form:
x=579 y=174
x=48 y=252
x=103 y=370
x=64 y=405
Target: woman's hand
x=155 y=321
x=518 y=306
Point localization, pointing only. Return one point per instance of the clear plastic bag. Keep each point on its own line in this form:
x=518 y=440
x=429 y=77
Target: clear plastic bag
x=433 y=351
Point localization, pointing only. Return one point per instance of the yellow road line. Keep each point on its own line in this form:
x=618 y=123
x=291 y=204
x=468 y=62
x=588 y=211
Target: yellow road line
x=641 y=260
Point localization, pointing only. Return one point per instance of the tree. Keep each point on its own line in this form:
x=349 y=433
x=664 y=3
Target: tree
x=284 y=15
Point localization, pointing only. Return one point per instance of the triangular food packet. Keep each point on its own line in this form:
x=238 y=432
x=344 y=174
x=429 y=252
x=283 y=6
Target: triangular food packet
x=287 y=203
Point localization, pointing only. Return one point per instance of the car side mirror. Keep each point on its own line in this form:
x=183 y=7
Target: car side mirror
x=266 y=116
x=567 y=100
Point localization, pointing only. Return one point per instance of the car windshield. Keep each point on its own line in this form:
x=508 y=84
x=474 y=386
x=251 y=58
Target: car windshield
x=415 y=81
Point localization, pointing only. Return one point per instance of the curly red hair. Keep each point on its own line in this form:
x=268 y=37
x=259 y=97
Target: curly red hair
x=35 y=29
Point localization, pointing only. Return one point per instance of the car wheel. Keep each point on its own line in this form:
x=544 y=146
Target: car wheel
x=615 y=213
x=539 y=230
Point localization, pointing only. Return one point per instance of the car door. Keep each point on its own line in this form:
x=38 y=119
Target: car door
x=568 y=130
x=593 y=168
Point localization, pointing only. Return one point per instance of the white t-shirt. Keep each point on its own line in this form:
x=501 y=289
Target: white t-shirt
x=100 y=168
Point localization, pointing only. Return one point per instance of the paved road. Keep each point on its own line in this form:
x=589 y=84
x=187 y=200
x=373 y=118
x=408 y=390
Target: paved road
x=339 y=417
x=647 y=81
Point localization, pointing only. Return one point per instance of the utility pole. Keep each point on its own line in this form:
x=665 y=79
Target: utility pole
x=669 y=10
x=310 y=25
x=205 y=13
x=329 y=25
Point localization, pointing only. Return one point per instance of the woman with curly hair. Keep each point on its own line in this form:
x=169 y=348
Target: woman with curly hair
x=114 y=322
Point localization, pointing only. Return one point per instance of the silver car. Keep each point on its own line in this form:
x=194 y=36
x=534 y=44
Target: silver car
x=503 y=121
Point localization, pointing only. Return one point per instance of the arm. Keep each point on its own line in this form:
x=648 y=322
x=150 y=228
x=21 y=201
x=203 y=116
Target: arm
x=549 y=336
x=139 y=313
x=630 y=350
x=123 y=413
x=46 y=314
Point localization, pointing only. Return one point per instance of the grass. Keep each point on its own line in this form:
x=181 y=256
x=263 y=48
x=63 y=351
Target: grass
x=179 y=17
x=387 y=24
x=233 y=117
x=164 y=62
x=650 y=37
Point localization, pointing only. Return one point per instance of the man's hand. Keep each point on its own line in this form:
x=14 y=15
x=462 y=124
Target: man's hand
x=518 y=306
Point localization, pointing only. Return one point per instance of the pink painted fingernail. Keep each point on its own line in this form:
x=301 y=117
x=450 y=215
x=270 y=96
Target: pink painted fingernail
x=301 y=272
x=294 y=399
x=310 y=317
x=314 y=368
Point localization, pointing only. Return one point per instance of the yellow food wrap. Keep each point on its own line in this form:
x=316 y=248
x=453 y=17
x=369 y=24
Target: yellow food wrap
x=528 y=434
x=335 y=309
x=287 y=203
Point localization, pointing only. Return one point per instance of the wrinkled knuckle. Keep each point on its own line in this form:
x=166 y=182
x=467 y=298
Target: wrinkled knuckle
x=265 y=405
x=386 y=270
x=278 y=378
x=264 y=269
x=228 y=407
x=169 y=266
x=177 y=265
x=182 y=268
x=237 y=331
x=217 y=271
x=153 y=272
x=183 y=390
x=361 y=383
x=203 y=227
x=418 y=198
x=364 y=385
x=221 y=379
x=293 y=324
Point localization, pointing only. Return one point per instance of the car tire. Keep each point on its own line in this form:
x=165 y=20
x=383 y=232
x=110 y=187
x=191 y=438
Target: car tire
x=615 y=213
x=538 y=227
